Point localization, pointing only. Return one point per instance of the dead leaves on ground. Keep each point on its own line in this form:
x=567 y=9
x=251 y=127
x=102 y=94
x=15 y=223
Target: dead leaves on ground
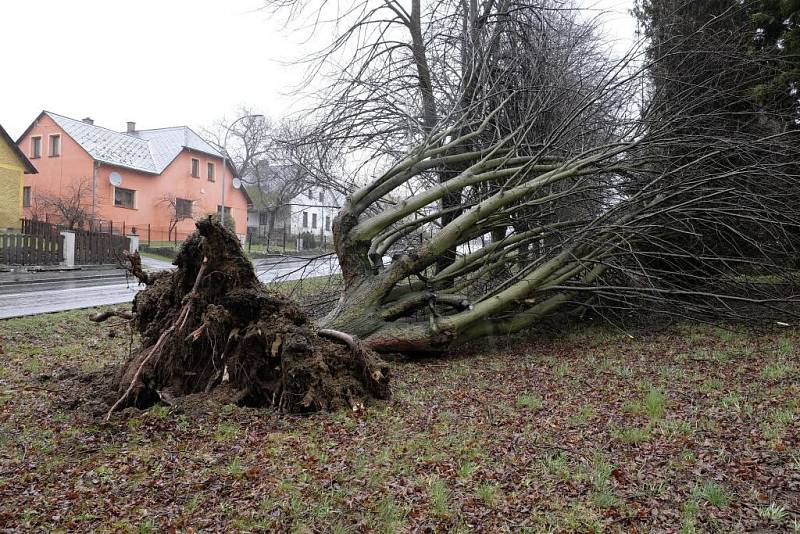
x=695 y=429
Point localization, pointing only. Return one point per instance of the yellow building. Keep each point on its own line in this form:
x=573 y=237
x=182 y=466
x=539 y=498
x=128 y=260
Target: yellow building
x=13 y=164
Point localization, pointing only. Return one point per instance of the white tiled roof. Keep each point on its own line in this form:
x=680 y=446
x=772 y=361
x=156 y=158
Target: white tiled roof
x=143 y=150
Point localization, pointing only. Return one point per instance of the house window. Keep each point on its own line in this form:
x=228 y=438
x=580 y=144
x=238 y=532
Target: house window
x=210 y=172
x=327 y=222
x=320 y=196
x=313 y=220
x=311 y=194
x=227 y=210
x=124 y=197
x=305 y=220
x=36 y=147
x=263 y=218
x=183 y=208
x=26 y=197
x=55 y=146
x=195 y=168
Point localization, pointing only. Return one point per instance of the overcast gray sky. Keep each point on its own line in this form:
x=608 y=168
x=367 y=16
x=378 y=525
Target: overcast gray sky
x=159 y=62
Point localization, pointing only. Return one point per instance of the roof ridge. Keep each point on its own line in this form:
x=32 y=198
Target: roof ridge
x=162 y=128
x=92 y=125
x=150 y=150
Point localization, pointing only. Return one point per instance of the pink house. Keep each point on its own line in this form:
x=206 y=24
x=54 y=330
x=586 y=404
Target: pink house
x=137 y=177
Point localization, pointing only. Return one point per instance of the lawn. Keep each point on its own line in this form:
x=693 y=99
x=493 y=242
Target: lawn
x=689 y=429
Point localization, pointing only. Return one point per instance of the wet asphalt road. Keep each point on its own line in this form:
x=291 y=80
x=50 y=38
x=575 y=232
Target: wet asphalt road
x=33 y=293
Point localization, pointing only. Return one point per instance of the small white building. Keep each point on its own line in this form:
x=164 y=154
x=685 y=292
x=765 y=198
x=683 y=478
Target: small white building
x=312 y=214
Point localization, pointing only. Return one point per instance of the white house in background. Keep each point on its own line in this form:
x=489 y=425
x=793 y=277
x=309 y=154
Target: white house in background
x=308 y=214
x=313 y=211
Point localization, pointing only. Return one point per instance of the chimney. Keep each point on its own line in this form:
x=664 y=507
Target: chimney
x=131 y=126
x=88 y=120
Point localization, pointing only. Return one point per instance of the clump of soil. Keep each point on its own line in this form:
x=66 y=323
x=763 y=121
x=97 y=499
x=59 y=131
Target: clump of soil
x=210 y=325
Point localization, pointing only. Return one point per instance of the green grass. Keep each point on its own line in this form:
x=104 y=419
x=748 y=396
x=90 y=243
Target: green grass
x=457 y=447
x=529 y=402
x=557 y=465
x=261 y=248
x=711 y=492
x=311 y=287
x=633 y=435
x=777 y=371
x=466 y=469
x=226 y=431
x=440 y=504
x=489 y=494
x=785 y=346
x=655 y=404
x=155 y=256
x=773 y=513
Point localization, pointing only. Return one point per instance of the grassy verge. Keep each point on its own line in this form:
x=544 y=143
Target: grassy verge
x=309 y=289
x=693 y=429
x=261 y=248
x=155 y=256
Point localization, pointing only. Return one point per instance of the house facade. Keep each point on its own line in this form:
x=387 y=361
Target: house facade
x=313 y=211
x=287 y=200
x=13 y=167
x=308 y=215
x=161 y=179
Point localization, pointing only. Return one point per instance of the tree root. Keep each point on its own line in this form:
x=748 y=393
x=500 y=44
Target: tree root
x=211 y=323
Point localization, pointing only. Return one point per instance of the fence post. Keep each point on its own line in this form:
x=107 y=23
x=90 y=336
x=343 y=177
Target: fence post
x=284 y=239
x=69 y=249
x=123 y=228
x=110 y=227
x=148 y=234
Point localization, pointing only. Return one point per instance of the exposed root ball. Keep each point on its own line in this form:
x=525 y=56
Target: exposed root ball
x=211 y=322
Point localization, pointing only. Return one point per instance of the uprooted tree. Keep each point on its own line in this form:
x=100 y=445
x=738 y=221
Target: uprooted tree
x=546 y=178
x=556 y=178
x=211 y=325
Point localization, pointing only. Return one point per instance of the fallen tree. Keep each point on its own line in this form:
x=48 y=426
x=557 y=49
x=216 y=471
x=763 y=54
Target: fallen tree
x=522 y=172
x=537 y=178
x=210 y=325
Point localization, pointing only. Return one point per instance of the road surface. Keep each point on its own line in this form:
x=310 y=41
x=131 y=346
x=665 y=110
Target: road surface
x=29 y=294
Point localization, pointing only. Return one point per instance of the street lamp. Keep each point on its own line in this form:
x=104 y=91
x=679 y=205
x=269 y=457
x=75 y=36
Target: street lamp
x=225 y=159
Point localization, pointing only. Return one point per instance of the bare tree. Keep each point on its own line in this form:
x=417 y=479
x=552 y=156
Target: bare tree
x=71 y=207
x=546 y=180
x=245 y=141
x=276 y=187
x=179 y=209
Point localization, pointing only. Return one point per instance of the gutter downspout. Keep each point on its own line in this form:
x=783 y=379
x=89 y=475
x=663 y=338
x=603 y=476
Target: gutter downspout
x=95 y=166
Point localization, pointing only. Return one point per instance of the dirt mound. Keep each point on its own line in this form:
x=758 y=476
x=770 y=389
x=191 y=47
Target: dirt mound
x=210 y=323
